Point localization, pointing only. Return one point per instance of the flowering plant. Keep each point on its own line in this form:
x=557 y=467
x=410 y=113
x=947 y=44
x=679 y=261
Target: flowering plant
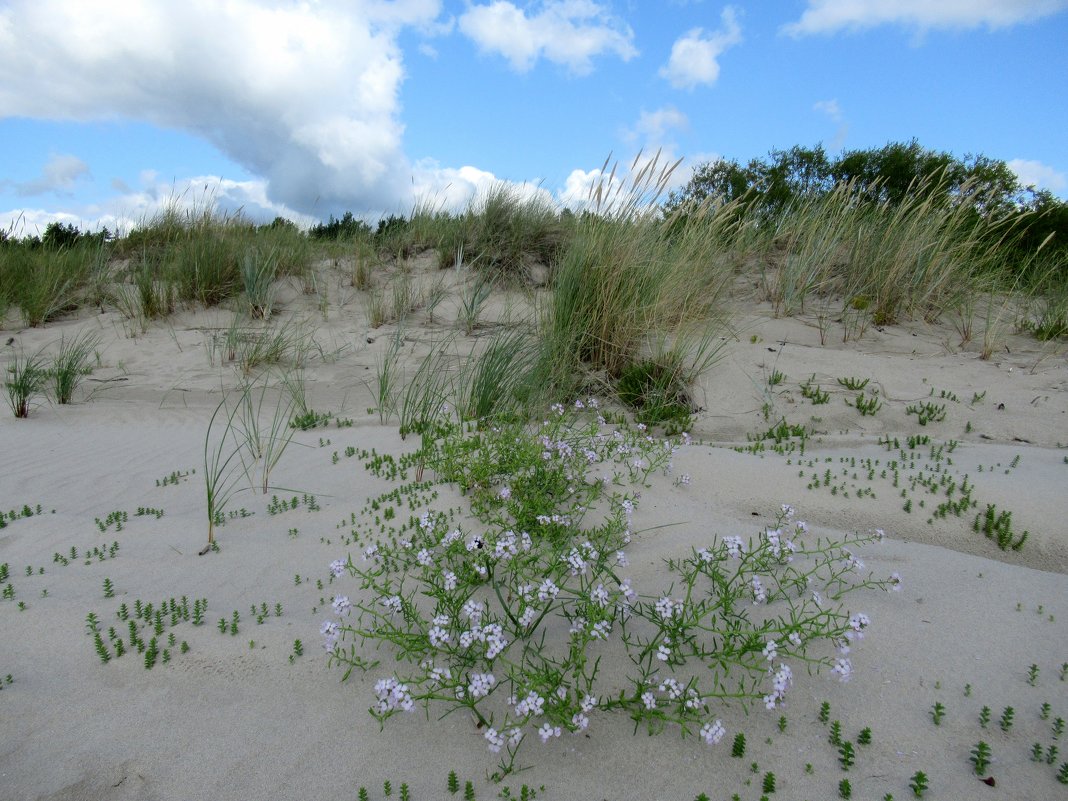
x=512 y=618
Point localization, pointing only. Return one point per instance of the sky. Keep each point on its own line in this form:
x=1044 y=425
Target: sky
x=111 y=110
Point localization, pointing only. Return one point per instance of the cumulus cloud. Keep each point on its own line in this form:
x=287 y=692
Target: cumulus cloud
x=58 y=175
x=695 y=56
x=304 y=95
x=829 y=16
x=566 y=32
x=1038 y=175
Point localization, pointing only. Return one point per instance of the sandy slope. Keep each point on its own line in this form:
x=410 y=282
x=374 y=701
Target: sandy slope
x=226 y=721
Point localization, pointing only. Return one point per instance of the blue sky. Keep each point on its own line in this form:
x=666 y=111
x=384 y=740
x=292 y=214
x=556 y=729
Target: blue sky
x=305 y=109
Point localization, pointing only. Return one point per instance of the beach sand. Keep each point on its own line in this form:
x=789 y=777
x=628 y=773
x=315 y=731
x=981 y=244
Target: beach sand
x=227 y=721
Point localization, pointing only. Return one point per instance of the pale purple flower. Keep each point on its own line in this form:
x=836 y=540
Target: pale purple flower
x=548 y=731
x=599 y=596
x=843 y=668
x=713 y=732
x=493 y=636
x=480 y=684
x=337 y=567
x=495 y=740
x=770 y=651
x=473 y=610
x=451 y=537
x=424 y=557
x=575 y=562
x=533 y=705
x=438 y=636
x=342 y=606
x=548 y=591
x=392 y=603
x=649 y=700
x=663 y=653
x=601 y=630
x=450 y=580
x=515 y=736
x=672 y=687
x=528 y=616
x=331 y=633
x=440 y=675
x=759 y=593
x=895 y=582
x=393 y=695
x=505 y=493
x=734 y=546
x=667 y=609
x=858 y=623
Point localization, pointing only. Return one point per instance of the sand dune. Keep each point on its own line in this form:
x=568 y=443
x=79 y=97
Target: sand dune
x=230 y=720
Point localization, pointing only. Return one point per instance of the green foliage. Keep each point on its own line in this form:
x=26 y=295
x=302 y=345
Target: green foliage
x=658 y=390
x=998 y=527
x=348 y=227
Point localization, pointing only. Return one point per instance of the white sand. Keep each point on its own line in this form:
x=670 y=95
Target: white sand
x=228 y=722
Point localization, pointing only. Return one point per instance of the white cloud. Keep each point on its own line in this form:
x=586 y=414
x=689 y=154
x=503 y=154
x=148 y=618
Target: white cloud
x=830 y=108
x=828 y=16
x=834 y=112
x=654 y=126
x=1038 y=175
x=629 y=187
x=695 y=56
x=304 y=95
x=123 y=212
x=58 y=175
x=565 y=32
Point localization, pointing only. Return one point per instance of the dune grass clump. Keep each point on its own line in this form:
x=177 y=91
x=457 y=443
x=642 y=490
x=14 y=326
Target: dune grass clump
x=510 y=230
x=71 y=364
x=43 y=282
x=26 y=377
x=627 y=279
x=259 y=269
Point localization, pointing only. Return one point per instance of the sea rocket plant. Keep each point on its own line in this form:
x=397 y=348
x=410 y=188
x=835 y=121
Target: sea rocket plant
x=511 y=620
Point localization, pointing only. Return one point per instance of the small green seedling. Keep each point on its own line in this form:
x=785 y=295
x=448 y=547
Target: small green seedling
x=938 y=711
x=1006 y=718
x=918 y=783
x=980 y=757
